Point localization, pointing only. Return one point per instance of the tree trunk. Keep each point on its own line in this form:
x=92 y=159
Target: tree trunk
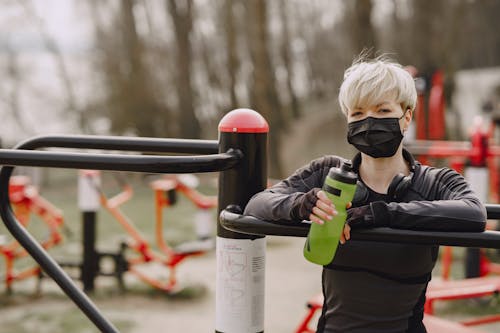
x=362 y=32
x=232 y=57
x=182 y=18
x=143 y=109
x=286 y=54
x=263 y=89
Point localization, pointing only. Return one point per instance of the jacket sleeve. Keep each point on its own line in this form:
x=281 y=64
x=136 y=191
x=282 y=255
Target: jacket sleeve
x=450 y=206
x=275 y=203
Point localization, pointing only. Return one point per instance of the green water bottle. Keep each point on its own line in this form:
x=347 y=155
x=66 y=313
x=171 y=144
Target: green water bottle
x=323 y=239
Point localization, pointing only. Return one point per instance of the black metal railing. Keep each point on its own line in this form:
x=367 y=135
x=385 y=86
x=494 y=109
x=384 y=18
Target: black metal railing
x=118 y=162
x=243 y=174
x=231 y=219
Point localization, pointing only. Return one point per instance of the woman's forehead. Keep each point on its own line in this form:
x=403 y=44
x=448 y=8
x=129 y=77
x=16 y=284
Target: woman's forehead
x=376 y=104
x=368 y=97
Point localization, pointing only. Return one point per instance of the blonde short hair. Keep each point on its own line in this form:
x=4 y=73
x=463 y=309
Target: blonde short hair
x=368 y=82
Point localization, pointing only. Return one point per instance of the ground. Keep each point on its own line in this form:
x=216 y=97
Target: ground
x=289 y=283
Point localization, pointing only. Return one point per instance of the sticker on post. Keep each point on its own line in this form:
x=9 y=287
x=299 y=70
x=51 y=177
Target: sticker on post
x=240 y=285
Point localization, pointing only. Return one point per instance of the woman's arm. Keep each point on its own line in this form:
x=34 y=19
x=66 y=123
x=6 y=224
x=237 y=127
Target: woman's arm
x=281 y=201
x=448 y=205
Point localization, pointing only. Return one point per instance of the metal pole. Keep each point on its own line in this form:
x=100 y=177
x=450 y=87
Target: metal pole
x=88 y=202
x=90 y=263
x=240 y=257
x=38 y=253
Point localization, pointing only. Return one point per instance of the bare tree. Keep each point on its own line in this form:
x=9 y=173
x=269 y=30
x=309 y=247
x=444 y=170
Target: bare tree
x=181 y=13
x=264 y=96
x=362 y=32
x=12 y=98
x=130 y=94
x=286 y=55
x=71 y=105
x=232 y=57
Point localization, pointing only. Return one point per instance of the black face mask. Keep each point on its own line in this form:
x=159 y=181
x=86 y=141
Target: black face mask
x=376 y=137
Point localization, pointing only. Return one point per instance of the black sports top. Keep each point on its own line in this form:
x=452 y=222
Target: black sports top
x=380 y=287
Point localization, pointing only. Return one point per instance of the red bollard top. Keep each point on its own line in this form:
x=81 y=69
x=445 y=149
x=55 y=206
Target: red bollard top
x=243 y=121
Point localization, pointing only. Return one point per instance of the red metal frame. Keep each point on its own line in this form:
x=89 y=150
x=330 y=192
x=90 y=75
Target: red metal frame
x=27 y=202
x=166 y=255
x=460 y=289
x=437 y=107
x=432 y=323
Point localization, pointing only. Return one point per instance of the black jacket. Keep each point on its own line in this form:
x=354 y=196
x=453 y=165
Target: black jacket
x=355 y=283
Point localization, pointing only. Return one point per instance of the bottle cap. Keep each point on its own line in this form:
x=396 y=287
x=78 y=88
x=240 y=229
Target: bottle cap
x=344 y=174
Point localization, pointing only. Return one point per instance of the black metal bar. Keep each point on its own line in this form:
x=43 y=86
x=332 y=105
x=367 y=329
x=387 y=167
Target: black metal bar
x=254 y=226
x=493 y=211
x=151 y=145
x=155 y=164
x=119 y=162
x=90 y=264
x=238 y=185
x=45 y=261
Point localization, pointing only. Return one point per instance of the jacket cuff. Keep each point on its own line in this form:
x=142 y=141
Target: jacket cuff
x=381 y=215
x=295 y=207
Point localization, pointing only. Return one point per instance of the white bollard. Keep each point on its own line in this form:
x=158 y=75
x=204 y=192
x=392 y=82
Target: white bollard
x=204 y=224
x=478 y=179
x=88 y=190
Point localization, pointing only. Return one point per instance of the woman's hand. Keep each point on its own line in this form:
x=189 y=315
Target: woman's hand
x=346 y=235
x=324 y=210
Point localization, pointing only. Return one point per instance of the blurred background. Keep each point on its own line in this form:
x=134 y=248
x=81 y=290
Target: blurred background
x=173 y=68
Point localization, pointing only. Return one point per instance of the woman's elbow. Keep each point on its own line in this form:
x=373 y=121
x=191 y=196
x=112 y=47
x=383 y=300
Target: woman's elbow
x=481 y=217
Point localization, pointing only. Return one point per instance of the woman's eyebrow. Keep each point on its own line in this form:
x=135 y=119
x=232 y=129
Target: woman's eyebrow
x=382 y=103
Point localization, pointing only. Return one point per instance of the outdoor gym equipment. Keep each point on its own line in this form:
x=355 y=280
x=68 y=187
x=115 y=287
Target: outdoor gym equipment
x=233 y=220
x=27 y=202
x=239 y=154
x=240 y=247
x=165 y=191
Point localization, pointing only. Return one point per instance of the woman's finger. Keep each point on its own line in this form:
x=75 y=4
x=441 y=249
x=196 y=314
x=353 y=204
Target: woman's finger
x=321 y=213
x=326 y=207
x=347 y=231
x=313 y=218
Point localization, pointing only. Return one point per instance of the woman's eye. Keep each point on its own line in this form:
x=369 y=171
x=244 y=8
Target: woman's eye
x=384 y=110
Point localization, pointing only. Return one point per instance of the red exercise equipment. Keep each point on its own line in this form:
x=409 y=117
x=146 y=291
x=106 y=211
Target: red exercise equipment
x=26 y=203
x=165 y=190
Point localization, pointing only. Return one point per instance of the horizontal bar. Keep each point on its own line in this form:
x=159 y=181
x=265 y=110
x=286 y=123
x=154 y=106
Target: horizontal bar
x=251 y=225
x=119 y=162
x=155 y=164
x=492 y=211
x=123 y=143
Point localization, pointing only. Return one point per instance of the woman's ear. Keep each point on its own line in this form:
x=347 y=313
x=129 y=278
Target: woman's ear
x=408 y=117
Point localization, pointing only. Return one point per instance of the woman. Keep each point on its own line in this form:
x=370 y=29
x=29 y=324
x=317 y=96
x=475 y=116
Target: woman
x=377 y=287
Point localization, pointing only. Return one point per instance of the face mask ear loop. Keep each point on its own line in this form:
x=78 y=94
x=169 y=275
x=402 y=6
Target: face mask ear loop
x=404 y=113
